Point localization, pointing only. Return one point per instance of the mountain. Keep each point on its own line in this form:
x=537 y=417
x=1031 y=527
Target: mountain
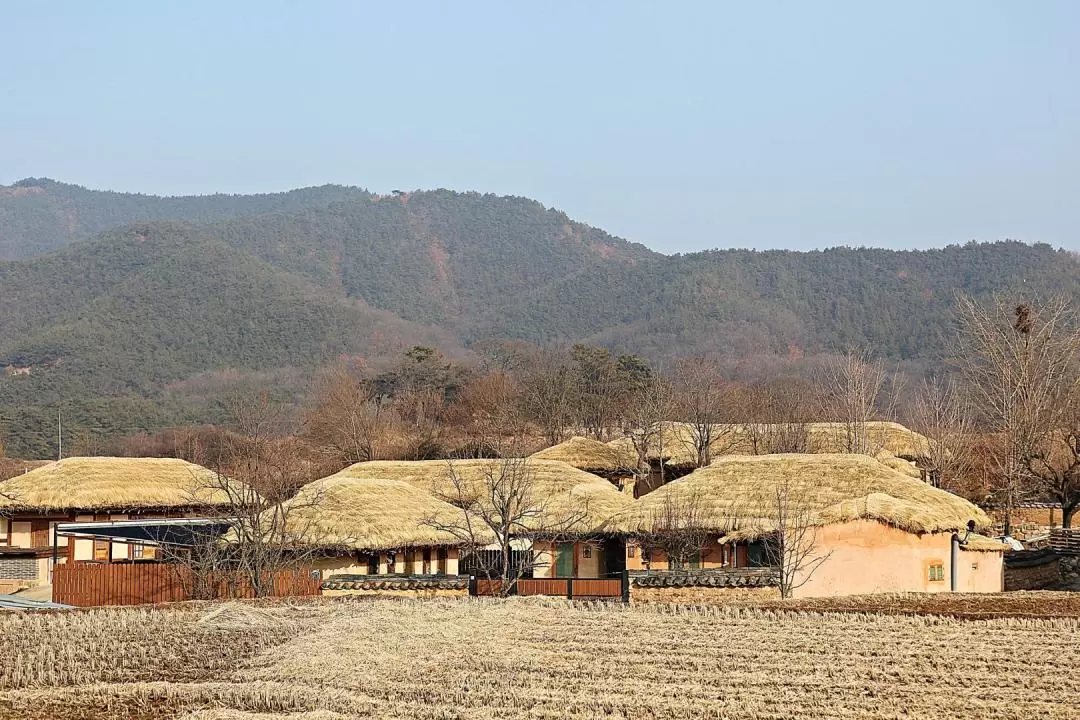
x=151 y=323
x=38 y=215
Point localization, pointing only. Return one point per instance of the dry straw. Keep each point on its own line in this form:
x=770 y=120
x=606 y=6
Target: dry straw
x=562 y=491
x=738 y=495
x=587 y=454
x=370 y=514
x=107 y=483
x=675 y=442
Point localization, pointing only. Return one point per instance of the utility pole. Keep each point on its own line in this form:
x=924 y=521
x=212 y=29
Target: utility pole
x=59 y=436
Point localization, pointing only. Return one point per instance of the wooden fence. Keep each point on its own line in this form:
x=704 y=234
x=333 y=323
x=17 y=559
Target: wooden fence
x=86 y=584
x=1065 y=542
x=559 y=587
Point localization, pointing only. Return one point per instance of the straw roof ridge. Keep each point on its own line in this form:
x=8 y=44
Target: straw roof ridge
x=563 y=492
x=738 y=494
x=111 y=483
x=586 y=454
x=370 y=514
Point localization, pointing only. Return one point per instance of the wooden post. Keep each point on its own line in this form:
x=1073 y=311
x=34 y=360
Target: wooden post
x=625 y=586
x=569 y=588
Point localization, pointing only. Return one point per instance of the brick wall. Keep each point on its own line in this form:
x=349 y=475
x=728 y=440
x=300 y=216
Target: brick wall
x=18 y=568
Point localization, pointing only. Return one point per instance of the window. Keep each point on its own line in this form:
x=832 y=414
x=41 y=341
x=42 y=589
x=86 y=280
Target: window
x=137 y=552
x=936 y=572
x=630 y=551
x=586 y=551
x=373 y=564
x=391 y=562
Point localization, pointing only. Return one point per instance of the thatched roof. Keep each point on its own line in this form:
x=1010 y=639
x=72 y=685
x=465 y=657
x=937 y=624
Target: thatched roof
x=369 y=514
x=107 y=483
x=562 y=491
x=587 y=454
x=736 y=495
x=674 y=442
x=906 y=467
x=889 y=436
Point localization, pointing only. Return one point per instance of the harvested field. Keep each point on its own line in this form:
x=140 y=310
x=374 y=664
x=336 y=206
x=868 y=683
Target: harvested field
x=1034 y=604
x=531 y=658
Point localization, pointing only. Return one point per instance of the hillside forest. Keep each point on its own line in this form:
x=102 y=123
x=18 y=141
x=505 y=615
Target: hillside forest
x=445 y=316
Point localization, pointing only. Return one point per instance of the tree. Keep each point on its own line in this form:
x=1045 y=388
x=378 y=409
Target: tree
x=348 y=419
x=704 y=401
x=487 y=414
x=677 y=530
x=548 y=393
x=853 y=389
x=792 y=547
x=268 y=530
x=599 y=388
x=1019 y=360
x=941 y=414
x=505 y=503
x=778 y=411
x=1054 y=462
x=649 y=402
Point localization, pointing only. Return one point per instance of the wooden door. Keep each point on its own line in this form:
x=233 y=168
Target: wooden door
x=564 y=560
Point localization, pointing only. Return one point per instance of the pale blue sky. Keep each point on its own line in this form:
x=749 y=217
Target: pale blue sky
x=681 y=126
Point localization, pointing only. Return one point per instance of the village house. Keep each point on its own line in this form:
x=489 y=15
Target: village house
x=373 y=527
x=91 y=490
x=594 y=457
x=568 y=527
x=877 y=529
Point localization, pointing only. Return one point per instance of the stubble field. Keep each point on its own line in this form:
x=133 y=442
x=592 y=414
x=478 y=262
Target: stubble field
x=447 y=659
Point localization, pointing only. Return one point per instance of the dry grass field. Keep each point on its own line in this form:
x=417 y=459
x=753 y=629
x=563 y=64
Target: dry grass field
x=539 y=659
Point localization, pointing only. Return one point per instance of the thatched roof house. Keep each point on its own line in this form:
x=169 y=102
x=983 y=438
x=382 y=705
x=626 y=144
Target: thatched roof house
x=880 y=435
x=369 y=514
x=736 y=495
x=561 y=491
x=587 y=454
x=108 y=483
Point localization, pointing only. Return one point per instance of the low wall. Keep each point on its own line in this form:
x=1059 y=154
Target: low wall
x=704 y=587
x=407 y=587
x=1032 y=569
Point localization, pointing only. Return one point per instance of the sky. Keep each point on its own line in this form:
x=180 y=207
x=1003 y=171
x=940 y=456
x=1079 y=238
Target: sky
x=683 y=126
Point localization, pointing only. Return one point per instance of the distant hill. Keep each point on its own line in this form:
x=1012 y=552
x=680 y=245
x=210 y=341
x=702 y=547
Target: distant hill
x=38 y=215
x=147 y=324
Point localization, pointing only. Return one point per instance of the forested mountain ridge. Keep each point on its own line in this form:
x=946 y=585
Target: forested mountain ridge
x=39 y=215
x=149 y=323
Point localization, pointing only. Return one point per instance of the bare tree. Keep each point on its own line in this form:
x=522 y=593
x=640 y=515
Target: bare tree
x=940 y=412
x=487 y=414
x=792 y=547
x=705 y=402
x=1054 y=462
x=548 y=393
x=676 y=529
x=1020 y=362
x=853 y=388
x=649 y=404
x=505 y=504
x=349 y=418
x=269 y=530
x=778 y=413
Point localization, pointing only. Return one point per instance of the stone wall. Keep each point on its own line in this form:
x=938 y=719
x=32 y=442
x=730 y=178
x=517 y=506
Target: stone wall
x=18 y=568
x=402 y=587
x=699 y=595
x=1032 y=569
x=1070 y=570
x=703 y=587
